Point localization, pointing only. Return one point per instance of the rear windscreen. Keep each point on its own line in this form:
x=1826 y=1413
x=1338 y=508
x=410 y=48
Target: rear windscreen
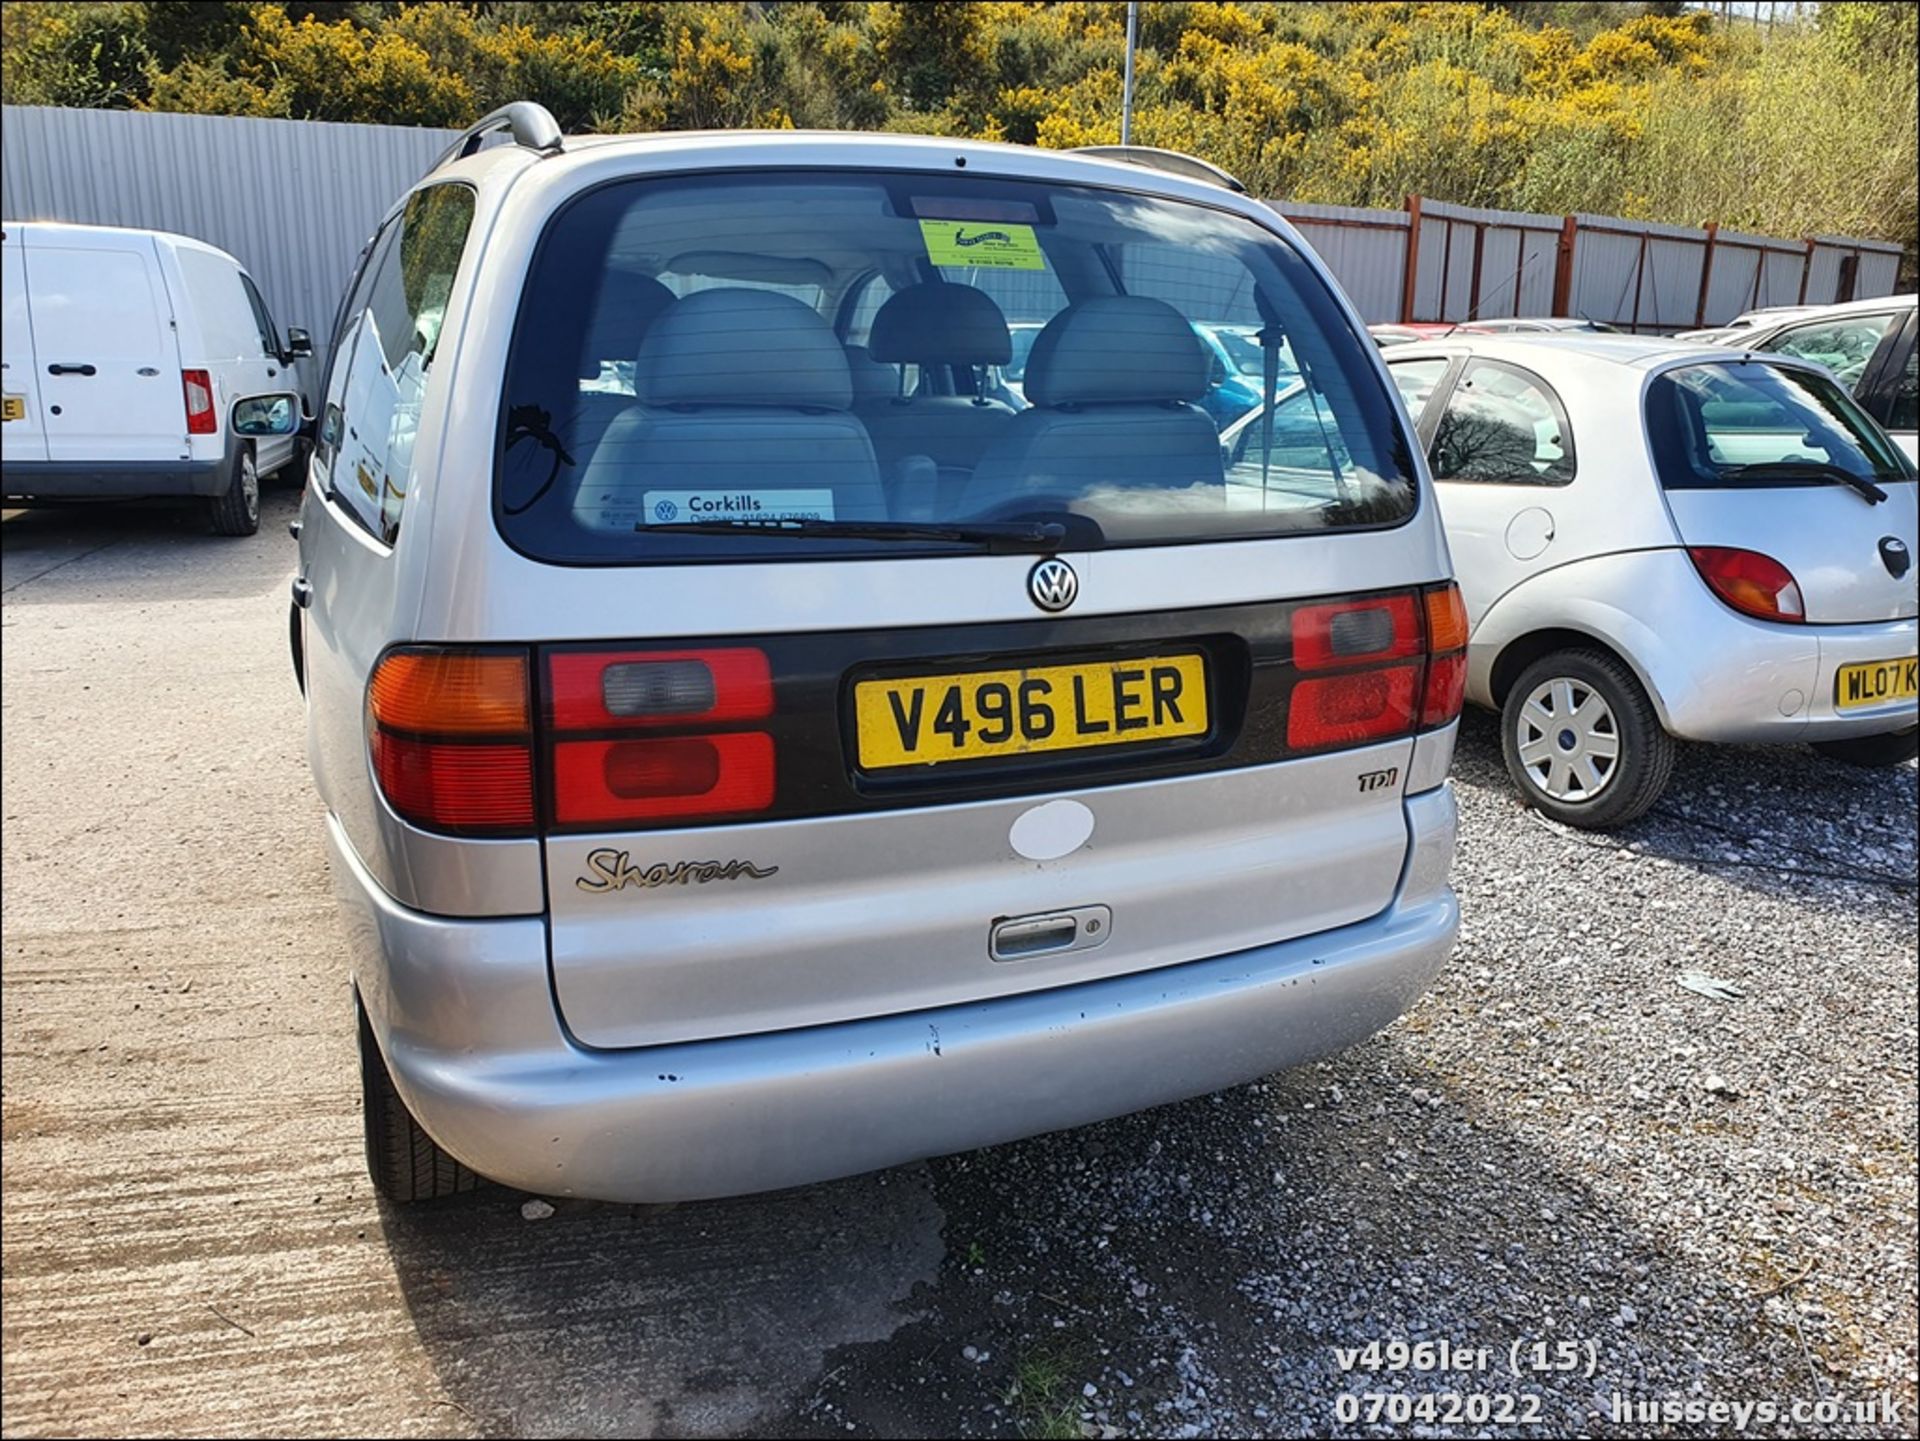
x=1749 y=423
x=698 y=360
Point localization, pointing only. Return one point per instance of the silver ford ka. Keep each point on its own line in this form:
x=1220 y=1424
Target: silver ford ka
x=1662 y=539
x=756 y=751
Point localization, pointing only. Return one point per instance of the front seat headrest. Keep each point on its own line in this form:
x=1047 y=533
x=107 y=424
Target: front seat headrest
x=628 y=303
x=935 y=323
x=740 y=347
x=1113 y=350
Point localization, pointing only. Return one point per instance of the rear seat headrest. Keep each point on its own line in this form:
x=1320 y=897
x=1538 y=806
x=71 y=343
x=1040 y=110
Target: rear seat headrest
x=1116 y=348
x=628 y=303
x=740 y=347
x=935 y=323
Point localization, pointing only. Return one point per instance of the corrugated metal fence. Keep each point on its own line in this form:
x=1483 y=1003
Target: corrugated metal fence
x=294 y=200
x=1439 y=262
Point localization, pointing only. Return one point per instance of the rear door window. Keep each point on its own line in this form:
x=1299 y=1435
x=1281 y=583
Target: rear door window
x=1082 y=356
x=1752 y=425
x=1503 y=425
x=385 y=355
x=1843 y=344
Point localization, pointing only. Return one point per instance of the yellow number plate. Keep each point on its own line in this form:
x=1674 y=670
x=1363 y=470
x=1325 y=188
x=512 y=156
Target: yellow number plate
x=924 y=720
x=13 y=407
x=1876 y=682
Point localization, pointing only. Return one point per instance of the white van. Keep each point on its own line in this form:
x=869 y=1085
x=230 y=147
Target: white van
x=126 y=352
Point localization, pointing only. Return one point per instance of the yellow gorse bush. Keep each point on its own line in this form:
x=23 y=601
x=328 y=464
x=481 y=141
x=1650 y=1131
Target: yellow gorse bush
x=1672 y=116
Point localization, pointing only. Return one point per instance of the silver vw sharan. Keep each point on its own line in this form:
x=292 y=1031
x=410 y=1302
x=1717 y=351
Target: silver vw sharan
x=753 y=754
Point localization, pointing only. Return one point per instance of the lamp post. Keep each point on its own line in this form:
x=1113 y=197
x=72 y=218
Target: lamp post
x=1126 y=94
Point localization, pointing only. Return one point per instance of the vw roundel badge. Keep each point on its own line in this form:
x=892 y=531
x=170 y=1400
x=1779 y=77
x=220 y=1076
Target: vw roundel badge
x=1052 y=584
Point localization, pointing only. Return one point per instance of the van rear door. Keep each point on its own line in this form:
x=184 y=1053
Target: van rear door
x=105 y=346
x=22 y=436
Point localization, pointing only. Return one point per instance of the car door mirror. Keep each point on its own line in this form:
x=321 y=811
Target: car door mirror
x=267 y=415
x=299 y=343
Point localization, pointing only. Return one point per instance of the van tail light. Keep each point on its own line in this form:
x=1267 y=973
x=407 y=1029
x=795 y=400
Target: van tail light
x=1752 y=583
x=198 y=387
x=450 y=729
x=1446 y=687
x=1377 y=667
x=643 y=736
x=1373 y=654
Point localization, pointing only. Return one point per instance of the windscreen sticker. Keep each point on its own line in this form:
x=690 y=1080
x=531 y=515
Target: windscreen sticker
x=678 y=507
x=991 y=244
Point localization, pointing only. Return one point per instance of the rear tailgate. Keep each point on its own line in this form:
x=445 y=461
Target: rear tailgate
x=1756 y=454
x=872 y=886
x=1828 y=536
x=22 y=436
x=103 y=336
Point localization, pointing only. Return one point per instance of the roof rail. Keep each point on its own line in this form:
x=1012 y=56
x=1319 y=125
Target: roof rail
x=1173 y=162
x=530 y=123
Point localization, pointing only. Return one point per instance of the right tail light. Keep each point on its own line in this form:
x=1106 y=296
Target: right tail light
x=1377 y=667
x=1446 y=688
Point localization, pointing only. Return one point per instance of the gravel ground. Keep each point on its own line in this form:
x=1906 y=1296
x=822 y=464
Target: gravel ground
x=1559 y=1143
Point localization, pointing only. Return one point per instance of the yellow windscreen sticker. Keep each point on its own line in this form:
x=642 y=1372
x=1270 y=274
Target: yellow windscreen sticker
x=991 y=244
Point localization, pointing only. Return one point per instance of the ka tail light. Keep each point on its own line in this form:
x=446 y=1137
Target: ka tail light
x=1446 y=686
x=198 y=388
x=1752 y=583
x=1361 y=664
x=648 y=736
x=451 y=733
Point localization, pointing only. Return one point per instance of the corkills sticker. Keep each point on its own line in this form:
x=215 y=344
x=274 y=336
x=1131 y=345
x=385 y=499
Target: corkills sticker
x=677 y=507
x=990 y=243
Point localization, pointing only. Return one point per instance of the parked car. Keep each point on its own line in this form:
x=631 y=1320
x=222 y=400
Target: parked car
x=1234 y=367
x=1407 y=332
x=126 y=354
x=1543 y=325
x=1868 y=344
x=1658 y=541
x=773 y=774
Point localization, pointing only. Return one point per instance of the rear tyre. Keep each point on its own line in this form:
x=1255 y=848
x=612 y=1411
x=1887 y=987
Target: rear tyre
x=1873 y=751
x=1583 y=742
x=402 y=1159
x=237 y=512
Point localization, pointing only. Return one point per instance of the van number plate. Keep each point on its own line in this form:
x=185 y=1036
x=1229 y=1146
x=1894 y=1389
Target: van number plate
x=13 y=407
x=1875 y=683
x=925 y=720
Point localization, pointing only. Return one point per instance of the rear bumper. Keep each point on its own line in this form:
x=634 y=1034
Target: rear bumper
x=464 y=1013
x=114 y=480
x=1785 y=679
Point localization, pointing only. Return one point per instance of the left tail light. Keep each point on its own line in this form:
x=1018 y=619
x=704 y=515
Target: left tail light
x=642 y=737
x=196 y=388
x=1752 y=583
x=450 y=730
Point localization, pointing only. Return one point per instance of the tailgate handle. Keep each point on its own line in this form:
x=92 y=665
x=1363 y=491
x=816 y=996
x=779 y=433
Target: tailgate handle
x=1017 y=937
x=302 y=591
x=57 y=369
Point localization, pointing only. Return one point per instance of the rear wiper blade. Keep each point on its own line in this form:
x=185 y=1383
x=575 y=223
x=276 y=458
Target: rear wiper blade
x=998 y=537
x=1787 y=469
